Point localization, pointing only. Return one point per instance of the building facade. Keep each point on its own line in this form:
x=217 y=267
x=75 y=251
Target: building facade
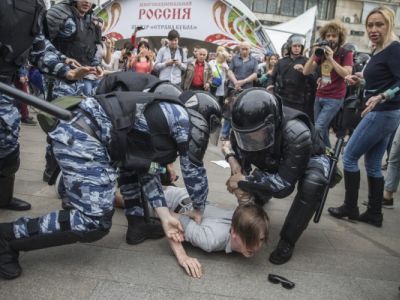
x=351 y=12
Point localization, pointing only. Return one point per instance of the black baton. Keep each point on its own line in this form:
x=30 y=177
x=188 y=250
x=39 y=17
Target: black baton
x=334 y=159
x=47 y=107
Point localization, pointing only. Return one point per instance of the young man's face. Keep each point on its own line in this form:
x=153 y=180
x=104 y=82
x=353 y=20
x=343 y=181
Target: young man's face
x=333 y=39
x=239 y=245
x=173 y=44
x=296 y=49
x=83 y=6
x=201 y=55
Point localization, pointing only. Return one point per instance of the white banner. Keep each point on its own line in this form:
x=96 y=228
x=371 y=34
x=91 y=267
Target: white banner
x=205 y=20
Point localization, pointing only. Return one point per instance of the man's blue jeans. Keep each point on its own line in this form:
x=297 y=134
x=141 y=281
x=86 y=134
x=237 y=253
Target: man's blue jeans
x=393 y=171
x=370 y=138
x=226 y=128
x=324 y=111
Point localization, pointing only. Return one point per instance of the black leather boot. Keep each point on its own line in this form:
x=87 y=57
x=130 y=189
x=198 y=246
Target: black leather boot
x=373 y=215
x=9 y=265
x=139 y=231
x=282 y=253
x=7 y=201
x=349 y=208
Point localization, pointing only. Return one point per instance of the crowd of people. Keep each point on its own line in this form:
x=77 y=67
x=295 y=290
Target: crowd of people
x=139 y=109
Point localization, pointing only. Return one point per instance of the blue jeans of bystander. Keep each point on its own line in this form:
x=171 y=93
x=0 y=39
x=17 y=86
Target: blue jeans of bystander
x=370 y=138
x=324 y=111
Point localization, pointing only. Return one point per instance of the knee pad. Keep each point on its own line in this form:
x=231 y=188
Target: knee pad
x=9 y=165
x=312 y=185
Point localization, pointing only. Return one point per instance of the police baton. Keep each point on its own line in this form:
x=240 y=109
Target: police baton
x=47 y=107
x=334 y=159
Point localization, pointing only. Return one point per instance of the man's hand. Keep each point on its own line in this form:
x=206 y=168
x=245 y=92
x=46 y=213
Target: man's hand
x=370 y=104
x=195 y=215
x=79 y=73
x=169 y=62
x=298 y=67
x=328 y=53
x=232 y=183
x=177 y=63
x=172 y=173
x=191 y=266
x=72 y=62
x=172 y=228
x=352 y=80
x=99 y=72
x=207 y=87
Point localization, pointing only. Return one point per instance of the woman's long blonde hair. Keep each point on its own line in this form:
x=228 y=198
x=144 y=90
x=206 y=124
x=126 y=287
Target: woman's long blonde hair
x=388 y=15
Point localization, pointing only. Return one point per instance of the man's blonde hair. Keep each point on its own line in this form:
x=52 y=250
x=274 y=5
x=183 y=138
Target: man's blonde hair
x=250 y=222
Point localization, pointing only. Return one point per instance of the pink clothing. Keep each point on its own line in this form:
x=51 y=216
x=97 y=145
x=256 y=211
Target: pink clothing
x=142 y=67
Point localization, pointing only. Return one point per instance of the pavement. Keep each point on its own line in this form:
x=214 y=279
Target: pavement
x=333 y=259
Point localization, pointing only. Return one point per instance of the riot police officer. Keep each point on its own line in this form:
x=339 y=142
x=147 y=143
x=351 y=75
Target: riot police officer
x=281 y=144
x=287 y=79
x=21 y=36
x=134 y=131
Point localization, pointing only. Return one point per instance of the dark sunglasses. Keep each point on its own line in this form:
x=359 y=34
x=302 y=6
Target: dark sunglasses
x=276 y=279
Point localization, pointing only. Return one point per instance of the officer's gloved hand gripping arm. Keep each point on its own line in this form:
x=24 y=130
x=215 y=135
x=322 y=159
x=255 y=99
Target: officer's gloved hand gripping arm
x=297 y=147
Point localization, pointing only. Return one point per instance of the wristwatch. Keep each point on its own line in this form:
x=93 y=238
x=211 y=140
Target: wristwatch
x=229 y=154
x=383 y=97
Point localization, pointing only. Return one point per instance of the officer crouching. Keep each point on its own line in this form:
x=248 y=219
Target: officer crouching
x=281 y=144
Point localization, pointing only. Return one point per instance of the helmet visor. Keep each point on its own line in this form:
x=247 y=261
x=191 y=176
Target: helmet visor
x=259 y=139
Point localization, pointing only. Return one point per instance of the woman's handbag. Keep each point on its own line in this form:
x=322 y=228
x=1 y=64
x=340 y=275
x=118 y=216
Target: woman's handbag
x=217 y=81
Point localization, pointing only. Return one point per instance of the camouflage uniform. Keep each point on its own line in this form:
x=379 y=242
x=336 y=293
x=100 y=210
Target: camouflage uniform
x=77 y=88
x=90 y=178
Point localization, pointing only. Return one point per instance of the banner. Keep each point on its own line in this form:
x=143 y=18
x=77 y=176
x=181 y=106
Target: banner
x=217 y=22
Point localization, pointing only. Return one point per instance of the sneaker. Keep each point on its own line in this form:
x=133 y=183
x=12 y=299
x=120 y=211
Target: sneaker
x=29 y=121
x=387 y=203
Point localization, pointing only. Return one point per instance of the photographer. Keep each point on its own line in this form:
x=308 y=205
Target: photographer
x=335 y=63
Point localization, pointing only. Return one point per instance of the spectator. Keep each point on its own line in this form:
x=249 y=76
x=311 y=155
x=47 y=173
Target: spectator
x=243 y=69
x=171 y=60
x=219 y=69
x=192 y=58
x=113 y=64
x=21 y=83
x=198 y=74
x=393 y=172
x=242 y=73
x=335 y=63
x=381 y=118
x=144 y=60
x=287 y=79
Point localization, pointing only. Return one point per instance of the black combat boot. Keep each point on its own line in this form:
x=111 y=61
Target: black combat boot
x=9 y=265
x=282 y=253
x=349 y=208
x=139 y=231
x=373 y=215
x=7 y=200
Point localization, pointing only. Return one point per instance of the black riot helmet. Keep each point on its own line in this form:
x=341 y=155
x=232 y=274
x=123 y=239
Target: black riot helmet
x=256 y=119
x=206 y=105
x=362 y=58
x=295 y=39
x=350 y=47
x=166 y=88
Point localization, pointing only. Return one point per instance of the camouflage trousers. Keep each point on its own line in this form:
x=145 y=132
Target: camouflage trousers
x=88 y=177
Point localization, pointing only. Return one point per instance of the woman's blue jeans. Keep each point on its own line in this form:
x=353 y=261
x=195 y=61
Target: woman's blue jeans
x=324 y=111
x=370 y=138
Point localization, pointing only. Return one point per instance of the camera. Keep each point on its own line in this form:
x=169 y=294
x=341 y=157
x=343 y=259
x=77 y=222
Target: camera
x=320 y=50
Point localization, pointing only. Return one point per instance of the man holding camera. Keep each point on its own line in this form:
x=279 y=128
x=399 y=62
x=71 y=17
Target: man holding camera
x=334 y=64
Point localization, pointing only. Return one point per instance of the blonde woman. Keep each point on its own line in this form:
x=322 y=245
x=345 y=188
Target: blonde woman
x=381 y=117
x=219 y=68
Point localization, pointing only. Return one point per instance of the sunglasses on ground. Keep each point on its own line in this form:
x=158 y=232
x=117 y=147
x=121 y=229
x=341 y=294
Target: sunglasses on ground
x=276 y=279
